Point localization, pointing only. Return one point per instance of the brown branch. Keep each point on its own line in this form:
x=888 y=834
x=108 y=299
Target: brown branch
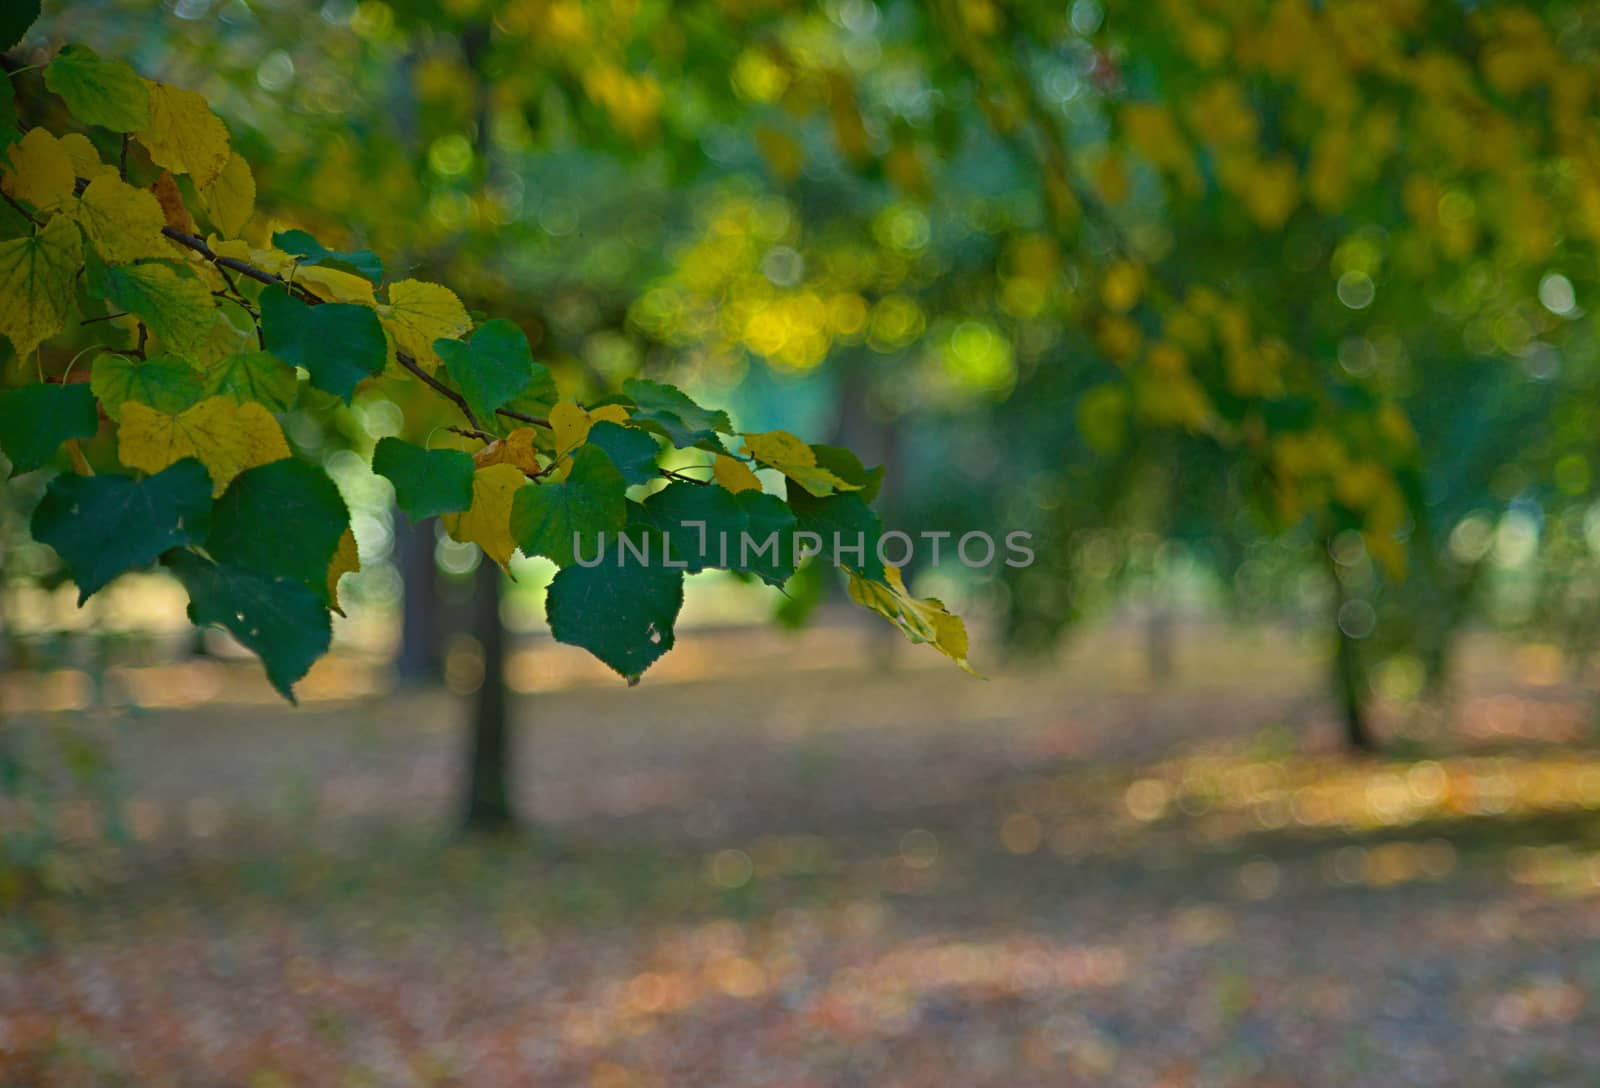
x=439 y=387
x=674 y=474
x=24 y=212
x=244 y=268
x=534 y=420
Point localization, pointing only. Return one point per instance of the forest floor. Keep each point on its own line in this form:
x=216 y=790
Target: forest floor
x=798 y=870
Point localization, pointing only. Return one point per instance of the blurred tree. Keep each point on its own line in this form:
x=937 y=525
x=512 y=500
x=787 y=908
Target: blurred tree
x=1065 y=253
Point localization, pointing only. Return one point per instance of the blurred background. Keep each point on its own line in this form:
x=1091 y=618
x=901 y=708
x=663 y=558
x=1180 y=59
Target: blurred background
x=1268 y=319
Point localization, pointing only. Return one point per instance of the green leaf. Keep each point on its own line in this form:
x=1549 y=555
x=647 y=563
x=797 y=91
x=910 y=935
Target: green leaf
x=622 y=610
x=491 y=368
x=767 y=516
x=283 y=518
x=340 y=344
x=37 y=418
x=37 y=277
x=171 y=300
x=165 y=383
x=281 y=619
x=702 y=523
x=536 y=400
x=710 y=527
x=590 y=501
x=633 y=451
x=426 y=482
x=847 y=466
x=668 y=411
x=297 y=243
x=16 y=16
x=10 y=133
x=840 y=521
x=100 y=92
x=254 y=376
x=103 y=526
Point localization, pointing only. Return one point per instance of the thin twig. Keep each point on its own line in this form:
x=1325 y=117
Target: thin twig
x=104 y=317
x=244 y=268
x=524 y=417
x=24 y=212
x=440 y=388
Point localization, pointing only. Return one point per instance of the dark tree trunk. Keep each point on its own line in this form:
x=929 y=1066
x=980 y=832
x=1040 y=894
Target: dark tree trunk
x=1349 y=679
x=488 y=805
x=1160 y=642
x=420 y=660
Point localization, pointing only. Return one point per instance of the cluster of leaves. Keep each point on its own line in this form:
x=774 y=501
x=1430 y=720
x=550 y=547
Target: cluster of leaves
x=230 y=328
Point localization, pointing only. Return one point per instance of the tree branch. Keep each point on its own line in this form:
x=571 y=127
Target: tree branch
x=439 y=387
x=260 y=275
x=24 y=212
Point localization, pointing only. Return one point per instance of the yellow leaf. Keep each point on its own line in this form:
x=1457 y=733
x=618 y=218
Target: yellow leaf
x=226 y=436
x=36 y=275
x=184 y=135
x=85 y=159
x=487 y=522
x=121 y=222
x=1122 y=285
x=796 y=460
x=570 y=426
x=167 y=195
x=40 y=171
x=335 y=285
x=346 y=560
x=923 y=619
x=419 y=313
x=275 y=261
x=220 y=339
x=734 y=474
x=230 y=201
x=516 y=448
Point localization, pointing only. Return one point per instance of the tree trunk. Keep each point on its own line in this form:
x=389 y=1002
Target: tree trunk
x=488 y=805
x=1160 y=638
x=420 y=660
x=1349 y=681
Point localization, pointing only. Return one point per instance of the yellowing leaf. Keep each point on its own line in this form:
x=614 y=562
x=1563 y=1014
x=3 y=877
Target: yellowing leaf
x=227 y=437
x=184 y=135
x=796 y=460
x=275 y=261
x=121 y=222
x=923 y=619
x=516 y=448
x=346 y=560
x=487 y=522
x=734 y=474
x=230 y=201
x=335 y=285
x=39 y=173
x=85 y=159
x=36 y=275
x=570 y=425
x=419 y=313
